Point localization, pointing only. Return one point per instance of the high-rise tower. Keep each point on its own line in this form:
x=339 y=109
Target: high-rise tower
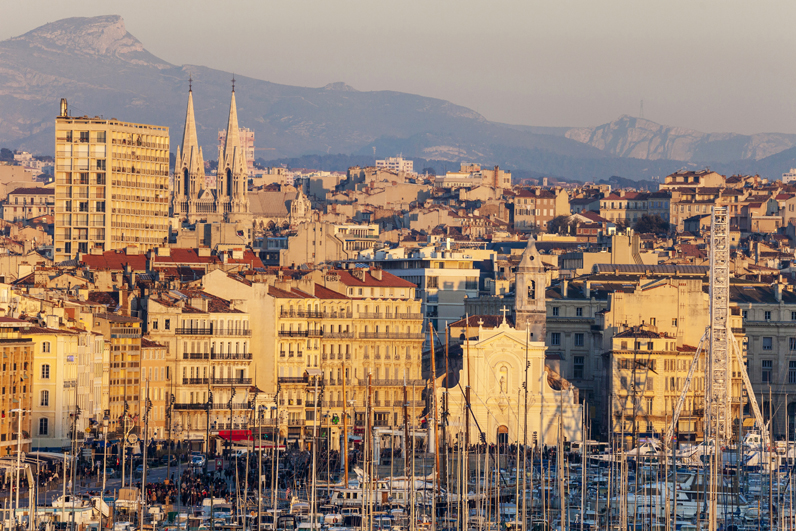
x=233 y=177
x=112 y=185
x=529 y=300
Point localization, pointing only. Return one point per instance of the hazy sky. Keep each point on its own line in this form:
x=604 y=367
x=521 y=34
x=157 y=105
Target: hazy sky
x=714 y=65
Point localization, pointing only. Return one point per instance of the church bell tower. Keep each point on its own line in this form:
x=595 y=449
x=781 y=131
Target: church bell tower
x=530 y=285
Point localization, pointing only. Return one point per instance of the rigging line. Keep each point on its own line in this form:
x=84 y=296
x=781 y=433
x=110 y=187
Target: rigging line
x=470 y=411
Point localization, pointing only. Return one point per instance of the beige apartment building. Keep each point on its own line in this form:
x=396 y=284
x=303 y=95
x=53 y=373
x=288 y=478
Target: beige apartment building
x=357 y=327
x=208 y=349
x=112 y=185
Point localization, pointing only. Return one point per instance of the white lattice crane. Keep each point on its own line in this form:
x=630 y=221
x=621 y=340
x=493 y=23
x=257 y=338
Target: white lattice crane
x=721 y=347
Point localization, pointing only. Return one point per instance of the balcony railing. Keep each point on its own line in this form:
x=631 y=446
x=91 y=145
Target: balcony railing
x=294 y=333
x=230 y=356
x=200 y=407
x=292 y=379
x=195 y=355
x=210 y=331
x=391 y=335
x=231 y=381
x=195 y=381
x=236 y=406
x=301 y=313
x=396 y=315
x=391 y=382
x=230 y=426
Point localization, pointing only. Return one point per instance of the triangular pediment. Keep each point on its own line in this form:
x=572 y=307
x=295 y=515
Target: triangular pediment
x=206 y=196
x=504 y=336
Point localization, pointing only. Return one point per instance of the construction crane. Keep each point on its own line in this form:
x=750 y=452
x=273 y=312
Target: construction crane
x=721 y=347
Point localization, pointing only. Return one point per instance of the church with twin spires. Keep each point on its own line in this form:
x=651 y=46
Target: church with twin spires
x=193 y=200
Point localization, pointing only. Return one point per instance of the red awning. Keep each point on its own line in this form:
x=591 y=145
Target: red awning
x=235 y=435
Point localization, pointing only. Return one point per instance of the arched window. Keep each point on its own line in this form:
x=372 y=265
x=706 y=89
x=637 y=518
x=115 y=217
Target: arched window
x=532 y=289
x=186 y=190
x=229 y=181
x=45 y=371
x=45 y=398
x=45 y=346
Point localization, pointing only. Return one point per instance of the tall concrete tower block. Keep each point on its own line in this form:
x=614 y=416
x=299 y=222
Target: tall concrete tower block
x=529 y=302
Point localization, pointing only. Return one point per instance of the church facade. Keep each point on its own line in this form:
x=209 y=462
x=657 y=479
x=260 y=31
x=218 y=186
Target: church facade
x=494 y=370
x=494 y=364
x=193 y=201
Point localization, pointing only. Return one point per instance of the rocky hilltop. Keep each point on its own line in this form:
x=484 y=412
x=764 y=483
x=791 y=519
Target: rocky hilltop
x=104 y=70
x=643 y=139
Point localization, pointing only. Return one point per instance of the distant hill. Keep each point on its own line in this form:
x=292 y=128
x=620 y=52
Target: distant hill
x=643 y=139
x=103 y=70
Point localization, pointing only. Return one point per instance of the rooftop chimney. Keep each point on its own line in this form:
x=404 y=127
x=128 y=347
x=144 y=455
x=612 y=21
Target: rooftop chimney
x=64 y=108
x=587 y=289
x=564 y=288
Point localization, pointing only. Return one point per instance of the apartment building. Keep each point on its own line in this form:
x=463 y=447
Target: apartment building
x=209 y=353
x=648 y=373
x=27 y=203
x=16 y=389
x=54 y=386
x=472 y=176
x=318 y=243
x=624 y=206
x=445 y=278
x=354 y=328
x=534 y=209
x=124 y=388
x=692 y=179
x=769 y=324
x=112 y=185
x=396 y=164
x=157 y=385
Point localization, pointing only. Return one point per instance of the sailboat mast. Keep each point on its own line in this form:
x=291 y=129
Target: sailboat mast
x=445 y=410
x=406 y=449
x=434 y=421
x=465 y=524
x=583 y=467
x=345 y=427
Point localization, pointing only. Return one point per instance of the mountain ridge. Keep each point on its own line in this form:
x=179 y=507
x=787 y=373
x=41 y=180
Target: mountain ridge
x=103 y=69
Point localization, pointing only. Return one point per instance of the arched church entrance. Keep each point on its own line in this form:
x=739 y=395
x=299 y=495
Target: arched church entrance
x=502 y=435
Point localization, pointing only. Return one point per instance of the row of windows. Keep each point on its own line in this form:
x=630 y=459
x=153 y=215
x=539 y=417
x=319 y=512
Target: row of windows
x=768 y=343
x=557 y=311
x=555 y=339
x=767 y=315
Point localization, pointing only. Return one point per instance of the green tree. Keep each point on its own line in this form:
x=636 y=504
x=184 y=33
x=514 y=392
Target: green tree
x=651 y=223
x=558 y=225
x=6 y=154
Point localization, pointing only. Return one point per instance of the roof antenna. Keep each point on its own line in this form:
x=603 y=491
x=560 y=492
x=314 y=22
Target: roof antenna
x=190 y=83
x=233 y=82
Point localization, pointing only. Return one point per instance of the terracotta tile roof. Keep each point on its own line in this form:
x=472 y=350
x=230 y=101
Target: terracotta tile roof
x=33 y=191
x=322 y=292
x=388 y=280
x=281 y=294
x=148 y=343
x=117 y=260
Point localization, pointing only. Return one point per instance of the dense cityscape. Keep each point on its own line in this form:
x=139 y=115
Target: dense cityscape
x=196 y=340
